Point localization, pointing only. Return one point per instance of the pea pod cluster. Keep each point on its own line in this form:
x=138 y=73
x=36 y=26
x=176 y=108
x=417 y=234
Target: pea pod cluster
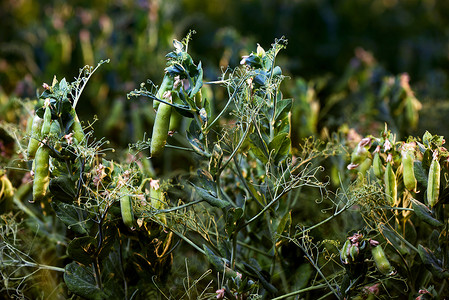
x=178 y=96
x=55 y=126
x=358 y=247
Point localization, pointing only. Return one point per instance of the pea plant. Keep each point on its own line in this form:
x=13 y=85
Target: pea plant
x=252 y=216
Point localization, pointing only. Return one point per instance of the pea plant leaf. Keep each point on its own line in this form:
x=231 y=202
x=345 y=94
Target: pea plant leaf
x=279 y=147
x=69 y=215
x=82 y=249
x=283 y=108
x=424 y=213
x=432 y=263
x=81 y=282
x=420 y=174
x=233 y=216
x=260 y=149
x=62 y=188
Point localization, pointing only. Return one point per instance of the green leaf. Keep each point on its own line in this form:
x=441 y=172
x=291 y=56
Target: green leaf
x=279 y=147
x=63 y=86
x=260 y=148
x=396 y=240
x=427 y=160
x=420 y=173
x=81 y=282
x=206 y=180
x=432 y=263
x=257 y=272
x=284 y=222
x=69 y=215
x=233 y=217
x=82 y=249
x=198 y=83
x=424 y=213
x=282 y=109
x=109 y=234
x=63 y=189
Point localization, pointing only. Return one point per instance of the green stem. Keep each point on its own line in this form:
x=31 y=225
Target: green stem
x=182 y=236
x=24 y=263
x=308 y=289
x=178 y=207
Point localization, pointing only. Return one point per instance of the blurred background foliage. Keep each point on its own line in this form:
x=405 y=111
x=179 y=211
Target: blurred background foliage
x=338 y=55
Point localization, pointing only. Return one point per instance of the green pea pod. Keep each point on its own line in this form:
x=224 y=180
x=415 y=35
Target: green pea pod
x=381 y=260
x=41 y=173
x=175 y=117
x=157 y=199
x=365 y=165
x=47 y=122
x=378 y=167
x=55 y=129
x=408 y=174
x=160 y=129
x=344 y=252
x=166 y=85
x=126 y=208
x=354 y=252
x=433 y=182
x=390 y=184
x=77 y=129
x=35 y=136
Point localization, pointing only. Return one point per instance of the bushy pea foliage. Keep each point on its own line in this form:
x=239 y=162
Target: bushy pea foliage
x=247 y=215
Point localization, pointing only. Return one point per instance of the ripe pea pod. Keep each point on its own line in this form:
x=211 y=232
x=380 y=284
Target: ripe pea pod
x=126 y=208
x=35 y=136
x=378 y=166
x=160 y=129
x=41 y=173
x=390 y=183
x=381 y=260
x=408 y=173
x=166 y=85
x=433 y=181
